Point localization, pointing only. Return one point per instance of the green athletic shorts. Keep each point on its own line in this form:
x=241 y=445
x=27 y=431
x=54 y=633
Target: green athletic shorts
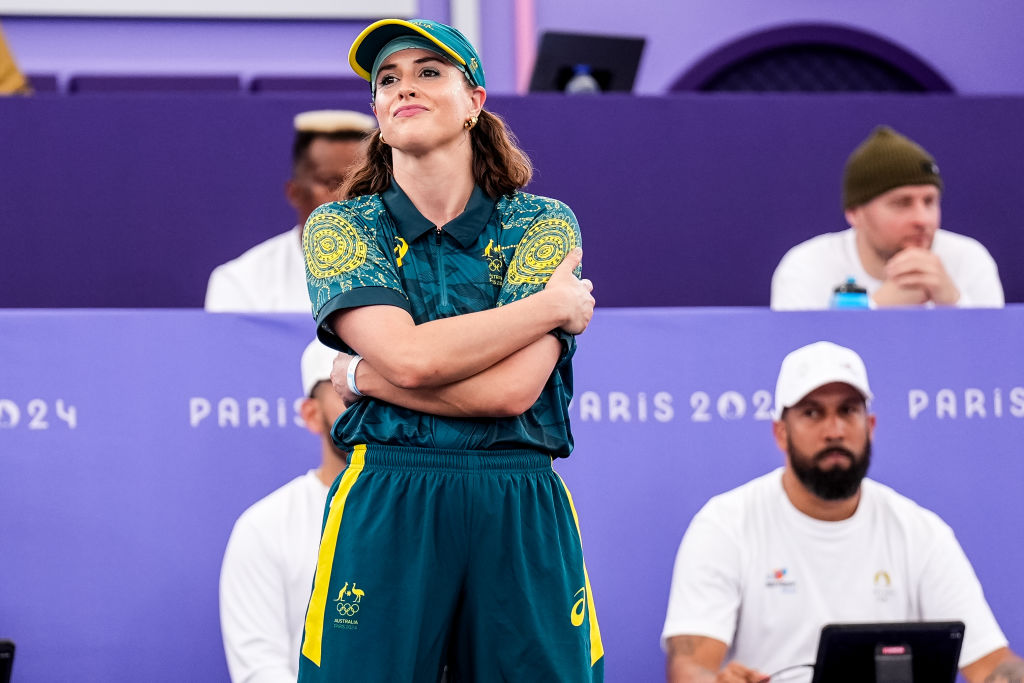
x=470 y=558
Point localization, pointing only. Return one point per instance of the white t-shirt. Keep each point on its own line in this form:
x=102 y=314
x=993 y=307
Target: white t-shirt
x=760 y=576
x=810 y=271
x=269 y=278
x=266 y=579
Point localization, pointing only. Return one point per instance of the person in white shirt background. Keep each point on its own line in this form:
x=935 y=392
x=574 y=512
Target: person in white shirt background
x=762 y=568
x=271 y=276
x=894 y=248
x=271 y=555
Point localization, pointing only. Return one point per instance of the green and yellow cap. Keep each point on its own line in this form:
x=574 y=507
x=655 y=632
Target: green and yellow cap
x=375 y=43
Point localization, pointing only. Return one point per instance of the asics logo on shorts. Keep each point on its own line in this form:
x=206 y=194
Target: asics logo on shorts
x=579 y=608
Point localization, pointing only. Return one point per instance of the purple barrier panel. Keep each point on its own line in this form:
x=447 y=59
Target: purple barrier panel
x=126 y=455
x=43 y=84
x=683 y=200
x=672 y=406
x=91 y=84
x=308 y=84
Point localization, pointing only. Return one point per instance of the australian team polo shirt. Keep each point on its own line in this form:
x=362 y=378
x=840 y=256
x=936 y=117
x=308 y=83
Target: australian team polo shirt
x=380 y=250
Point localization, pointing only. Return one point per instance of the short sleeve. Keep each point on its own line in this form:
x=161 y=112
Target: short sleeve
x=548 y=239
x=224 y=293
x=253 y=610
x=345 y=264
x=978 y=277
x=704 y=599
x=949 y=590
x=794 y=286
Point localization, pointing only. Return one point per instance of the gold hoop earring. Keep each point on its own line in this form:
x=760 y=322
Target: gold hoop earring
x=470 y=122
x=381 y=136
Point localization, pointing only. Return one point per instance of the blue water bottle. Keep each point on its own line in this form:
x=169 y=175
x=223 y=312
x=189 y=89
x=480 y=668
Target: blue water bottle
x=850 y=295
x=582 y=81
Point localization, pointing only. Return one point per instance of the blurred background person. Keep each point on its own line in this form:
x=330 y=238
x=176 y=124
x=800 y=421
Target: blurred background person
x=271 y=555
x=271 y=276
x=893 y=248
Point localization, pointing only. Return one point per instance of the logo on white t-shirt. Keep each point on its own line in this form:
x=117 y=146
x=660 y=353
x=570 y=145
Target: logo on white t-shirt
x=780 y=579
x=884 y=592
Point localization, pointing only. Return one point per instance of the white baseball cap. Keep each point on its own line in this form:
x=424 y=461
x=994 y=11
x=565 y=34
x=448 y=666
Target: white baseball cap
x=317 y=360
x=333 y=121
x=814 y=366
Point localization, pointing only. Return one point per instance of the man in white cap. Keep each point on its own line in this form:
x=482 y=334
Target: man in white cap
x=271 y=555
x=763 y=567
x=271 y=277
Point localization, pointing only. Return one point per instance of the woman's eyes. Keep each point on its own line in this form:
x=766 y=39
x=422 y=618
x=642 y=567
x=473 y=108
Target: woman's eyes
x=426 y=72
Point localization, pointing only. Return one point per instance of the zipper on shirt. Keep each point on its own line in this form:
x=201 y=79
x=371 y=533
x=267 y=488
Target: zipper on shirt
x=440 y=268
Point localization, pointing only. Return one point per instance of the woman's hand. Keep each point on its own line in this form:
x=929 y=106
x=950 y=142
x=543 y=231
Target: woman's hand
x=339 y=379
x=571 y=293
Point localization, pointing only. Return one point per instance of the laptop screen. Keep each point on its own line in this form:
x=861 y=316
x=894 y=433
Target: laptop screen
x=6 y=660
x=611 y=60
x=853 y=653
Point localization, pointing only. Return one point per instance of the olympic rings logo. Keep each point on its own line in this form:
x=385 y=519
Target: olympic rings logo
x=348 y=609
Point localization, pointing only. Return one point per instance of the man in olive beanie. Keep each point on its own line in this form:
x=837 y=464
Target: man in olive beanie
x=893 y=248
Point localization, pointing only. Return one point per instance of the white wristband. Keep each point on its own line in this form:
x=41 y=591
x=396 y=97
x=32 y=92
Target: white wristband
x=351 y=374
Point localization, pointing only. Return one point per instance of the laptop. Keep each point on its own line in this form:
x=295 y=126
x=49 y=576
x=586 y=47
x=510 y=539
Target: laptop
x=612 y=60
x=6 y=660
x=901 y=652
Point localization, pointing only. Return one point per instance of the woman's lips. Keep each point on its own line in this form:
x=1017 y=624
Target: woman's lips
x=403 y=112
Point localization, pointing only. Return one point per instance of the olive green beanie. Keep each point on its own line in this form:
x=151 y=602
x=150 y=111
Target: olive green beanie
x=884 y=161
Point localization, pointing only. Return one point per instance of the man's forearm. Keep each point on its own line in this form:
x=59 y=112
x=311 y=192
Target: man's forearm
x=685 y=670
x=1008 y=671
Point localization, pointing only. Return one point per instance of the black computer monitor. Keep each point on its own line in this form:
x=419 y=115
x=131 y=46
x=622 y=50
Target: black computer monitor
x=6 y=660
x=927 y=651
x=612 y=60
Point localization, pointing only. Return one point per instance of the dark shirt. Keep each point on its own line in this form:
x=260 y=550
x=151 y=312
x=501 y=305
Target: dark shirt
x=379 y=250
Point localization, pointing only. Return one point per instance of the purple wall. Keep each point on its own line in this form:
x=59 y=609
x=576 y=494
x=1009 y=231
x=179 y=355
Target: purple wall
x=130 y=201
x=975 y=46
x=113 y=524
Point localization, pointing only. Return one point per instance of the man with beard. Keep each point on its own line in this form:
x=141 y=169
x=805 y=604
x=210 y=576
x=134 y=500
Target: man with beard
x=763 y=567
x=271 y=556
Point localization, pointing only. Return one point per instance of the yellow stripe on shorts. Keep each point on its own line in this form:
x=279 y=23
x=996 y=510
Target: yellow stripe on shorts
x=596 y=646
x=313 y=641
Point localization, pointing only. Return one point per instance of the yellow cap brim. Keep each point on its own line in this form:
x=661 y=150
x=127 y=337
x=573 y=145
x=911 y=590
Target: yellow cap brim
x=374 y=37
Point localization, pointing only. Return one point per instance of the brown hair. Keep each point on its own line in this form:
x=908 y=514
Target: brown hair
x=499 y=166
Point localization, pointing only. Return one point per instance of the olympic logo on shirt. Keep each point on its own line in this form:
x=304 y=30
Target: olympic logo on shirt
x=347 y=609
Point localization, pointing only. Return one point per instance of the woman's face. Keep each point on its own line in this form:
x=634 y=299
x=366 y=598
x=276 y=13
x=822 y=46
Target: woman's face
x=423 y=101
